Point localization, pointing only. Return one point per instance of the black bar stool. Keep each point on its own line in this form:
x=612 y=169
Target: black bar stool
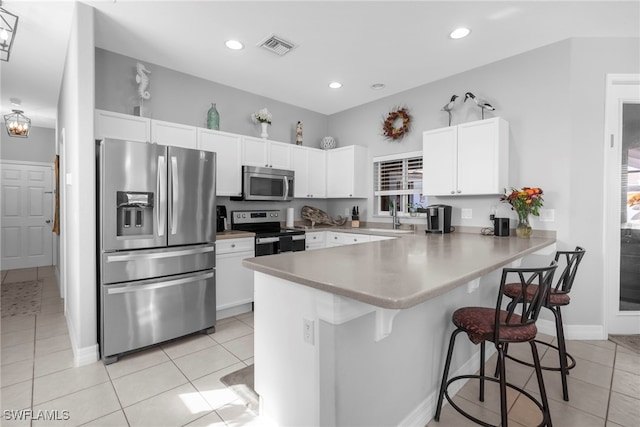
x=501 y=327
x=557 y=297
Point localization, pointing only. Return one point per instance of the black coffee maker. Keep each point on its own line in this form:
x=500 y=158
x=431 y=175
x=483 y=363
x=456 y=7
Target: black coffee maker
x=221 y=218
x=438 y=219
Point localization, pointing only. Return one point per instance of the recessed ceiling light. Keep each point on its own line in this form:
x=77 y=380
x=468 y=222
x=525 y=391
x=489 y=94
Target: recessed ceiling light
x=459 y=33
x=335 y=85
x=16 y=102
x=378 y=86
x=234 y=44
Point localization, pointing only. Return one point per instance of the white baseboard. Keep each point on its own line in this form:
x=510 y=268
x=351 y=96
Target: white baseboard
x=81 y=355
x=233 y=311
x=572 y=332
x=425 y=411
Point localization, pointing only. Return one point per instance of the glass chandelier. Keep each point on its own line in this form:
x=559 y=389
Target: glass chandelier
x=18 y=125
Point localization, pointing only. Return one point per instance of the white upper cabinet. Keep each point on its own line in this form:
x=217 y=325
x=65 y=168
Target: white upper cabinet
x=228 y=149
x=122 y=126
x=347 y=172
x=467 y=159
x=265 y=153
x=174 y=134
x=310 y=166
x=133 y=128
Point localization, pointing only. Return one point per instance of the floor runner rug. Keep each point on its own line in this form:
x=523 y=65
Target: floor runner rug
x=241 y=382
x=21 y=298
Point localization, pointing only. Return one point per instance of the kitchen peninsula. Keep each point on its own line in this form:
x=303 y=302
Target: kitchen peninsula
x=356 y=335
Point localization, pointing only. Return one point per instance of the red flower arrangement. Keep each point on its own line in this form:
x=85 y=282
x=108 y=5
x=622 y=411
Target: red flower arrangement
x=525 y=201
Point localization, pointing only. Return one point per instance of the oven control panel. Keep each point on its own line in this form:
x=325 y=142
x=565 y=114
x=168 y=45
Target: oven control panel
x=253 y=217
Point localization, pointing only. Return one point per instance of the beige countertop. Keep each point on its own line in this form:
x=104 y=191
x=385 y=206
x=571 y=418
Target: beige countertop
x=402 y=272
x=233 y=234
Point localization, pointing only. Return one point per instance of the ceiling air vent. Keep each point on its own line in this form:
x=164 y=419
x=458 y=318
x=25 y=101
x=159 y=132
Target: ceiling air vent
x=277 y=44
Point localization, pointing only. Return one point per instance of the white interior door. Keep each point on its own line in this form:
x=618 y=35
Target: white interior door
x=26 y=206
x=622 y=219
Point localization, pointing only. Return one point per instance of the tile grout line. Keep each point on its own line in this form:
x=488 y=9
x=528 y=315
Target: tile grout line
x=613 y=372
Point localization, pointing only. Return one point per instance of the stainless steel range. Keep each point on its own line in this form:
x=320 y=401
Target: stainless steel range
x=270 y=238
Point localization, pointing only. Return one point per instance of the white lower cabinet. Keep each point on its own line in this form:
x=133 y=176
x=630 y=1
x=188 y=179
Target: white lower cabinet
x=315 y=240
x=234 y=283
x=340 y=239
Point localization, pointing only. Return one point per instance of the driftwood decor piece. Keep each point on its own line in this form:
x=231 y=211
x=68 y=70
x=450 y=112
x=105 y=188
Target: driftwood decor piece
x=317 y=216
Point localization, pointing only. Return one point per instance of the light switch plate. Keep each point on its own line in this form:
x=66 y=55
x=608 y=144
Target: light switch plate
x=547 y=215
x=467 y=213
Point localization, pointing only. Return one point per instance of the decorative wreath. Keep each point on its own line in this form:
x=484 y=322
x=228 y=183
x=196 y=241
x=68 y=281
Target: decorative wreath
x=389 y=129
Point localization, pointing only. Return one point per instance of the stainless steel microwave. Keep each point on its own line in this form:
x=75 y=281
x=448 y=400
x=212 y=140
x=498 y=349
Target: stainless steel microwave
x=267 y=184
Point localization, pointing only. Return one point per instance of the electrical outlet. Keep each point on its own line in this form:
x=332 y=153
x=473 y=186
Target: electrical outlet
x=467 y=213
x=308 y=331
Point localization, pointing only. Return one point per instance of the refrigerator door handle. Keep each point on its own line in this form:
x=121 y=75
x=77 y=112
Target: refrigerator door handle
x=175 y=194
x=160 y=183
x=286 y=187
x=158 y=285
x=159 y=255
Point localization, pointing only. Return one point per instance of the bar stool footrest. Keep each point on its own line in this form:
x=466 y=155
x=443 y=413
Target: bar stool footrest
x=545 y=416
x=546 y=368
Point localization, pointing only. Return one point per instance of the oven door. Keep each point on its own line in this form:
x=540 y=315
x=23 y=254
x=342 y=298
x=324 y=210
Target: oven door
x=293 y=243
x=267 y=246
x=267 y=184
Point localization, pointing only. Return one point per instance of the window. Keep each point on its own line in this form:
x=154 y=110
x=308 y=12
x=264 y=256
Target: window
x=398 y=179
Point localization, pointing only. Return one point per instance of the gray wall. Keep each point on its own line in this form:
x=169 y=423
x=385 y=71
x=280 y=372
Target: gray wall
x=38 y=147
x=181 y=98
x=553 y=99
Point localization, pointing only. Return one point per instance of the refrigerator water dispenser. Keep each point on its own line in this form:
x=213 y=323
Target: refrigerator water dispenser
x=135 y=213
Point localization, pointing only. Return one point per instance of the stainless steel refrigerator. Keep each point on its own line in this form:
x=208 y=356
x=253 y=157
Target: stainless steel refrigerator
x=156 y=234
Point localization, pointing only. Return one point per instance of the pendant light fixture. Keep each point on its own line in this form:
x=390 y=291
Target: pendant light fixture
x=18 y=125
x=8 y=27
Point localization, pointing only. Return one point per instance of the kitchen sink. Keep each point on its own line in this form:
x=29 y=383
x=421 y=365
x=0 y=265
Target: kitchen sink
x=387 y=230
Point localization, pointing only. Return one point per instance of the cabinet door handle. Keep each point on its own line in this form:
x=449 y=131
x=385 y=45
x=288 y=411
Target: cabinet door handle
x=459 y=191
x=453 y=192
x=233 y=245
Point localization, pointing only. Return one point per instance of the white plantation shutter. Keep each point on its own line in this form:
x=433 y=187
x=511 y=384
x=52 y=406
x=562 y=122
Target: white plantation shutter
x=398 y=174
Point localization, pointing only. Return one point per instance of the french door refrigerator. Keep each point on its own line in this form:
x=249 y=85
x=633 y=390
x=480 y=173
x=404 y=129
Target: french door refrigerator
x=156 y=234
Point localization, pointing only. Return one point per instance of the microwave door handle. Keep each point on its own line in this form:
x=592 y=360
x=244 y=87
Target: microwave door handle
x=175 y=195
x=161 y=192
x=286 y=187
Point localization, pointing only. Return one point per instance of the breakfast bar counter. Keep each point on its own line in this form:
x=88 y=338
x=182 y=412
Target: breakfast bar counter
x=356 y=335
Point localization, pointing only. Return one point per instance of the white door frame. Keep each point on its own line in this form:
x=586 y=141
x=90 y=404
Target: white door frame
x=50 y=166
x=619 y=88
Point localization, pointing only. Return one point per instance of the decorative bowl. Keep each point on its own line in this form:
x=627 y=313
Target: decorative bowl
x=327 y=143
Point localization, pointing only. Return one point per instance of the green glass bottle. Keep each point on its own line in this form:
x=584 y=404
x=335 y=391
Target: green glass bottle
x=213 y=118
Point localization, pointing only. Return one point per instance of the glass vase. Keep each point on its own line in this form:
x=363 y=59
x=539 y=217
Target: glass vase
x=213 y=118
x=523 y=229
x=264 y=126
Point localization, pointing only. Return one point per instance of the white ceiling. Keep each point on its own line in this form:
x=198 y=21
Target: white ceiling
x=400 y=44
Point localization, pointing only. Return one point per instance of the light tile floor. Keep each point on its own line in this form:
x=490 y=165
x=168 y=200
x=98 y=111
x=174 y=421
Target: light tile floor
x=178 y=384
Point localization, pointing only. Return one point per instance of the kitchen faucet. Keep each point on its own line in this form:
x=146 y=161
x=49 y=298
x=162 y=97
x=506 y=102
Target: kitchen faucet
x=394 y=213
